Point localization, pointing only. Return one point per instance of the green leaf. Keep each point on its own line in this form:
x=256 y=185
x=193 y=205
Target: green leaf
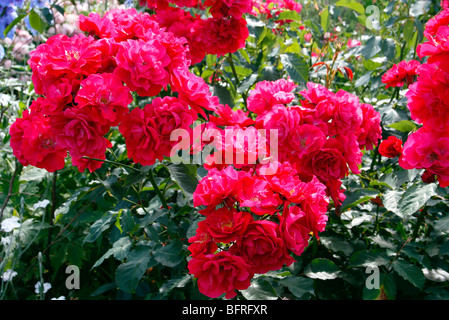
x=179 y=281
x=357 y=197
x=442 y=224
x=289 y=15
x=403 y=126
x=170 y=255
x=119 y=250
x=223 y=94
x=372 y=47
x=409 y=272
x=324 y=16
x=260 y=289
x=128 y=274
x=13 y=24
x=373 y=258
x=296 y=66
x=358 y=7
x=99 y=227
x=322 y=269
x=36 y=22
x=185 y=176
x=299 y=287
x=414 y=198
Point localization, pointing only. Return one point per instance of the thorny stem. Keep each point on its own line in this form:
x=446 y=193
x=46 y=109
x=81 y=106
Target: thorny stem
x=112 y=162
x=156 y=188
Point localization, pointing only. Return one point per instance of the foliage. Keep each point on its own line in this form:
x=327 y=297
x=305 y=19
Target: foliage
x=126 y=226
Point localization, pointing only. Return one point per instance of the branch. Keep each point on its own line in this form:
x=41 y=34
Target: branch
x=11 y=184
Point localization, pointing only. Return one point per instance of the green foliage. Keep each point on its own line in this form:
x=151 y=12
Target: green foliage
x=127 y=227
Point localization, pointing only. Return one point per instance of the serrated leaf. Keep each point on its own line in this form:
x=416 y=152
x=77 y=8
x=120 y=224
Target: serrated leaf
x=260 y=289
x=119 y=250
x=357 y=197
x=409 y=272
x=99 y=227
x=296 y=66
x=414 y=198
x=128 y=274
x=322 y=269
x=170 y=255
x=368 y=259
x=298 y=286
x=185 y=176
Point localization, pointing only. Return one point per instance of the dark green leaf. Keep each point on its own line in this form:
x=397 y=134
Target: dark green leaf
x=299 y=287
x=170 y=255
x=128 y=274
x=296 y=66
x=260 y=289
x=409 y=272
x=185 y=176
x=322 y=269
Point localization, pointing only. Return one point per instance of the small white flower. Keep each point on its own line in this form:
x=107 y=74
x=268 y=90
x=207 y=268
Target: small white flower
x=60 y=298
x=37 y=287
x=8 y=275
x=41 y=204
x=9 y=224
x=5 y=241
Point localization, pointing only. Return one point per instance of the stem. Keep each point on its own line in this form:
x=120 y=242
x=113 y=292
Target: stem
x=51 y=217
x=112 y=162
x=231 y=62
x=11 y=184
x=156 y=188
x=419 y=223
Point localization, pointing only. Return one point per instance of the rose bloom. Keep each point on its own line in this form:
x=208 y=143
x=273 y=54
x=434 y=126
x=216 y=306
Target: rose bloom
x=227 y=224
x=391 y=147
x=226 y=116
x=82 y=137
x=105 y=97
x=142 y=66
x=427 y=100
x=427 y=149
x=293 y=229
x=220 y=273
x=402 y=73
x=267 y=94
x=216 y=187
x=318 y=103
x=304 y=138
x=370 y=131
x=141 y=137
x=262 y=247
x=63 y=57
x=256 y=193
x=228 y=8
x=193 y=90
x=223 y=36
x=327 y=164
x=279 y=121
x=202 y=242
x=33 y=142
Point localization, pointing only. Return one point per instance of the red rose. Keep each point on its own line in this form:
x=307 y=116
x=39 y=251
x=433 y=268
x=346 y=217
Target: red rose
x=220 y=273
x=391 y=147
x=225 y=224
x=262 y=246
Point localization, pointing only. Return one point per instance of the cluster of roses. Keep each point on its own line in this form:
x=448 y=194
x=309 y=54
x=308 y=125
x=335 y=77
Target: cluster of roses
x=428 y=147
x=86 y=83
x=224 y=31
x=258 y=212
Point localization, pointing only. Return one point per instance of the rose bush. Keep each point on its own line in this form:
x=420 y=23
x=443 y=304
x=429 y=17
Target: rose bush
x=224 y=150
